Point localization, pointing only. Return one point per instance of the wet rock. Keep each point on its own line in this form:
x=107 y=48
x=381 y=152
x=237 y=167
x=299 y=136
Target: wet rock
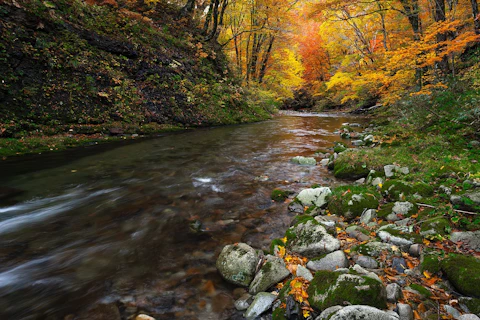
x=362 y=312
x=304 y=273
x=262 y=302
x=314 y=196
x=102 y=312
x=394 y=292
x=306 y=161
x=243 y=302
x=295 y=207
x=237 y=264
x=404 y=311
x=331 y=261
x=399 y=264
x=311 y=239
x=471 y=239
x=332 y=288
x=368 y=216
x=272 y=272
x=366 y=262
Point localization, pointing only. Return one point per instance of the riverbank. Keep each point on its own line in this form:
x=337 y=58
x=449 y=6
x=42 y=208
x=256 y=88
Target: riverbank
x=401 y=241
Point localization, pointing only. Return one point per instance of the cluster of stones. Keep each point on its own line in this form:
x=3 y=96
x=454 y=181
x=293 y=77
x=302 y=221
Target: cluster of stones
x=344 y=281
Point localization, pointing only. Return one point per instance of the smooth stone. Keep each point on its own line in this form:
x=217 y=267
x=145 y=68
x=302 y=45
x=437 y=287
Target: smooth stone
x=398 y=241
x=144 y=317
x=304 y=273
x=468 y=316
x=242 y=303
x=469 y=238
x=368 y=216
x=307 y=161
x=389 y=170
x=331 y=261
x=415 y=250
x=360 y=181
x=262 y=302
x=314 y=196
x=452 y=311
x=362 y=312
x=272 y=272
x=324 y=162
x=399 y=264
x=327 y=313
x=367 y=273
x=394 y=292
x=358 y=143
x=237 y=264
x=404 y=311
x=367 y=262
x=312 y=239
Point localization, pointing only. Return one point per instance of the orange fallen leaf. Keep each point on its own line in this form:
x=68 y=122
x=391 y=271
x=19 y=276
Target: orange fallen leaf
x=416 y=315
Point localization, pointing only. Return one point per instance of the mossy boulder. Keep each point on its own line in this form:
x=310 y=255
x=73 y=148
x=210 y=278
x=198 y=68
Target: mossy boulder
x=311 y=239
x=422 y=291
x=464 y=273
x=237 y=263
x=330 y=288
x=304 y=161
x=352 y=205
x=423 y=189
x=385 y=210
x=339 y=147
x=435 y=226
x=314 y=196
x=347 y=168
x=467 y=201
x=473 y=304
x=430 y=261
x=375 y=249
x=395 y=190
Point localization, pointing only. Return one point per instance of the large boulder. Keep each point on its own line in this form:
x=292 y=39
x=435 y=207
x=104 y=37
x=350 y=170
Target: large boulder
x=347 y=168
x=272 y=272
x=314 y=196
x=311 y=239
x=329 y=288
x=464 y=273
x=237 y=263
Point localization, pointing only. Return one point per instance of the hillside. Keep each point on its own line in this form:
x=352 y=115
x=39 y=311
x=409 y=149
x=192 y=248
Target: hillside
x=73 y=68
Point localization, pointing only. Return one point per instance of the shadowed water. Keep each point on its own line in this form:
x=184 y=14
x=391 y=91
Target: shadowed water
x=115 y=226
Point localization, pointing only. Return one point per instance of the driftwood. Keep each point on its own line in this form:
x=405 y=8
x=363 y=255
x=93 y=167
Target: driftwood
x=459 y=211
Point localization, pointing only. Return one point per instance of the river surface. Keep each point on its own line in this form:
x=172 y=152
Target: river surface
x=137 y=227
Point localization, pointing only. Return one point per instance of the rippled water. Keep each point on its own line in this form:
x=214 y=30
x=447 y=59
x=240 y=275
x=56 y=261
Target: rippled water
x=114 y=226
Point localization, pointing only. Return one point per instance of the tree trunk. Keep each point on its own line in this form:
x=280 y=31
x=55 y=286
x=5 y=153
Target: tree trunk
x=476 y=17
x=187 y=10
x=266 y=57
x=439 y=16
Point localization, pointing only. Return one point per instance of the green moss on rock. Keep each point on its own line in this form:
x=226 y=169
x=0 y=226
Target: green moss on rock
x=473 y=304
x=437 y=225
x=423 y=189
x=464 y=273
x=275 y=243
x=332 y=288
x=279 y=195
x=430 y=262
x=395 y=190
x=279 y=314
x=352 y=205
x=420 y=289
x=385 y=210
x=346 y=168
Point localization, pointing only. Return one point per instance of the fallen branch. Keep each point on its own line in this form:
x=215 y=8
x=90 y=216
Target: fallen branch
x=459 y=211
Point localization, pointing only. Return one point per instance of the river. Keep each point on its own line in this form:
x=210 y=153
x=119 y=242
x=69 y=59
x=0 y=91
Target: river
x=137 y=227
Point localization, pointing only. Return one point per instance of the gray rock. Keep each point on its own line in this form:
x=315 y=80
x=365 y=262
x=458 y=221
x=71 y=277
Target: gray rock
x=415 y=250
x=362 y=312
x=360 y=181
x=237 y=264
x=295 y=207
x=306 y=161
x=331 y=261
x=469 y=238
x=327 y=223
x=311 y=239
x=369 y=138
x=324 y=162
x=304 y=273
x=394 y=292
x=377 y=181
x=392 y=217
x=375 y=248
x=367 y=262
x=404 y=311
x=358 y=143
x=314 y=196
x=402 y=207
x=391 y=169
x=262 y=302
x=473 y=199
x=327 y=313
x=358 y=269
x=403 y=170
x=243 y=302
x=468 y=316
x=398 y=241
x=444 y=189
x=452 y=311
x=272 y=272
x=368 y=216
x=475 y=143
x=399 y=264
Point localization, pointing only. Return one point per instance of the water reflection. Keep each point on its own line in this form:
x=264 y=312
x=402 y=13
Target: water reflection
x=117 y=226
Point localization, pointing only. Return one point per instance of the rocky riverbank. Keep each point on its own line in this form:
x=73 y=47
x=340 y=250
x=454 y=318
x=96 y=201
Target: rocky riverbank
x=392 y=245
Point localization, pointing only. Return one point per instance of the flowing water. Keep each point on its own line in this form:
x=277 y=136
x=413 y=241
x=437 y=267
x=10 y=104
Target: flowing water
x=138 y=227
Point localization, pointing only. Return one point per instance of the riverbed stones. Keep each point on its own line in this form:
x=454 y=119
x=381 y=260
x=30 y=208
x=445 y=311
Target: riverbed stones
x=330 y=288
x=368 y=216
x=262 y=302
x=471 y=239
x=388 y=236
x=331 y=261
x=404 y=311
x=237 y=263
x=305 y=161
x=310 y=239
x=242 y=303
x=314 y=196
x=272 y=272
x=345 y=169
x=352 y=205
x=304 y=273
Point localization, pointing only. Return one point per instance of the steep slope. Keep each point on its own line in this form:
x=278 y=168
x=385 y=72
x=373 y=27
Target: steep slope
x=71 y=67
